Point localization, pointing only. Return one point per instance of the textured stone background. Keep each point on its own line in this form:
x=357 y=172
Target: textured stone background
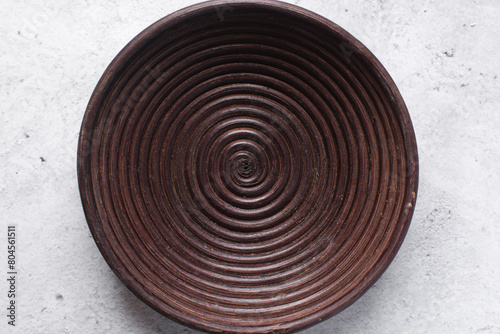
x=444 y=57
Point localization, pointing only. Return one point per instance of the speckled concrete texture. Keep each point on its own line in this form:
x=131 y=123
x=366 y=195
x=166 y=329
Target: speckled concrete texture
x=444 y=57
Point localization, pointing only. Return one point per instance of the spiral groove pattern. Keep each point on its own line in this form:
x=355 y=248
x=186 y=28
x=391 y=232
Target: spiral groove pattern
x=247 y=167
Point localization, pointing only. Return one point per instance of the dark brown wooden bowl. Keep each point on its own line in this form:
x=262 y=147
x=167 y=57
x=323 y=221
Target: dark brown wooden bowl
x=247 y=167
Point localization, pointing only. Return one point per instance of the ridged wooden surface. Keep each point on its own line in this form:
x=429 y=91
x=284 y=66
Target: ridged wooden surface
x=247 y=167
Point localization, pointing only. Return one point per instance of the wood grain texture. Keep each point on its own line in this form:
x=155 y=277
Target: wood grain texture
x=247 y=167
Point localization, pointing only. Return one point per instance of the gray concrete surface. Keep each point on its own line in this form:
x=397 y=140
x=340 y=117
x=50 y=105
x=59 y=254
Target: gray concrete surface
x=444 y=57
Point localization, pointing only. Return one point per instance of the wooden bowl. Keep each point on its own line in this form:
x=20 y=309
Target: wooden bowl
x=247 y=167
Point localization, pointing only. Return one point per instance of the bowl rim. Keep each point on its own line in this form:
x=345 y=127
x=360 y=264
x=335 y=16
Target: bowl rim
x=404 y=121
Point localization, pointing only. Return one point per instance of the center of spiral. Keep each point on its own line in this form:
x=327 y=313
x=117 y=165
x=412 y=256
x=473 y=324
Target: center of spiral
x=245 y=167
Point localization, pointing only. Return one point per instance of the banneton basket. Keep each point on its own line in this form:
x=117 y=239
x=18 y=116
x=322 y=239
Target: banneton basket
x=247 y=167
